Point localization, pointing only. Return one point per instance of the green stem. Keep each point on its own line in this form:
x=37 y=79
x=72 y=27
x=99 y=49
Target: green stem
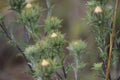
x=48 y=3
x=76 y=70
x=76 y=75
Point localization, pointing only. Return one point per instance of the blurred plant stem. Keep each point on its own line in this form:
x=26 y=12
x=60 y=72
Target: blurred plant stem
x=111 y=41
x=8 y=35
x=64 y=72
x=49 y=3
x=77 y=66
x=76 y=69
x=27 y=37
x=59 y=76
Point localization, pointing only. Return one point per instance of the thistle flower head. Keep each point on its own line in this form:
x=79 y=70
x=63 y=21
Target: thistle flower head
x=76 y=43
x=52 y=18
x=28 y=5
x=54 y=35
x=98 y=9
x=45 y=63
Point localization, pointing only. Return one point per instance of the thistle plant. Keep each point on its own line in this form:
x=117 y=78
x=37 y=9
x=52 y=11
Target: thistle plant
x=51 y=48
x=29 y=17
x=99 y=17
x=45 y=55
x=52 y=24
x=17 y=5
x=77 y=49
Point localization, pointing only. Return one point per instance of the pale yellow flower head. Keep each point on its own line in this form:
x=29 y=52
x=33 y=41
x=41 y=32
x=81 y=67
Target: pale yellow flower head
x=54 y=35
x=52 y=18
x=75 y=42
x=98 y=9
x=28 y=5
x=45 y=63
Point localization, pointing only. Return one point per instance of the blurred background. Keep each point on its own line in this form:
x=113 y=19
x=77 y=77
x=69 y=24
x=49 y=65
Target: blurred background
x=75 y=27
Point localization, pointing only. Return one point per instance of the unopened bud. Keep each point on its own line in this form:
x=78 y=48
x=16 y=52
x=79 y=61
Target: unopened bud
x=28 y=5
x=98 y=9
x=54 y=35
x=45 y=63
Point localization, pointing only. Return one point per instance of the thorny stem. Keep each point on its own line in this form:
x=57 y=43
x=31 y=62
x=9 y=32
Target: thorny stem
x=111 y=41
x=2 y=25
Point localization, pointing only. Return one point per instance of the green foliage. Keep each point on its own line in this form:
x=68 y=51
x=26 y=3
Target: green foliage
x=100 y=17
x=77 y=47
x=118 y=17
x=17 y=5
x=47 y=71
x=52 y=24
x=46 y=54
x=1 y=19
x=33 y=52
x=97 y=66
x=45 y=50
x=50 y=48
x=56 y=42
x=30 y=15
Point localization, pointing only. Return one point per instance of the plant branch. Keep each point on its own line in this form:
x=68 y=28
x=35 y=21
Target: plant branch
x=27 y=38
x=58 y=75
x=48 y=3
x=64 y=72
x=111 y=41
x=2 y=25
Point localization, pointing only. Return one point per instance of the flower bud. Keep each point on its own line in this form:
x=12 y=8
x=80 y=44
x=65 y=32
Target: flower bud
x=98 y=9
x=52 y=18
x=54 y=35
x=76 y=43
x=45 y=63
x=28 y=5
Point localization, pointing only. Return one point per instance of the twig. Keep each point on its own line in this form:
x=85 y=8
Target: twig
x=48 y=3
x=16 y=45
x=26 y=34
x=111 y=41
x=64 y=72
x=58 y=75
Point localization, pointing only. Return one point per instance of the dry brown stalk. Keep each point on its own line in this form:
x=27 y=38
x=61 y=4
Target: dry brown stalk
x=111 y=41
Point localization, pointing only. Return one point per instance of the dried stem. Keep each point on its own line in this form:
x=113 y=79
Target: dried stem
x=111 y=41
